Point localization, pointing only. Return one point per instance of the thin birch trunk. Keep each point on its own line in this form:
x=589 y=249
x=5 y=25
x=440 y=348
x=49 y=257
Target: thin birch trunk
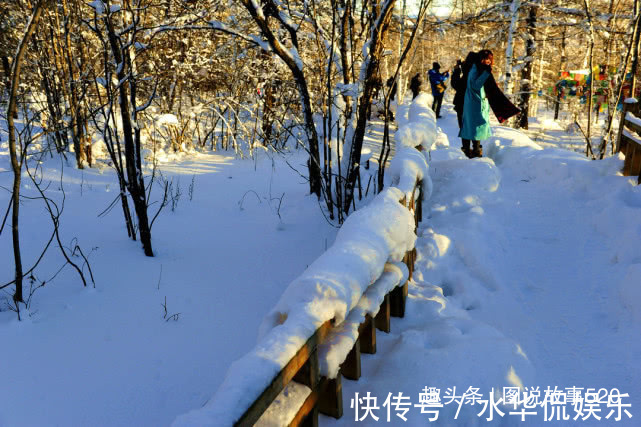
x=509 y=49
x=588 y=148
x=539 y=80
x=16 y=164
x=635 y=53
x=400 y=91
x=561 y=67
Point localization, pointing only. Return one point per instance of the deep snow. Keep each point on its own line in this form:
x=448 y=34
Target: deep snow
x=106 y=356
x=528 y=273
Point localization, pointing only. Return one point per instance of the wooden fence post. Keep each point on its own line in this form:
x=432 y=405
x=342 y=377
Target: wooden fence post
x=351 y=367
x=635 y=167
x=382 y=319
x=634 y=152
x=398 y=298
x=367 y=336
x=309 y=375
x=629 y=105
x=331 y=398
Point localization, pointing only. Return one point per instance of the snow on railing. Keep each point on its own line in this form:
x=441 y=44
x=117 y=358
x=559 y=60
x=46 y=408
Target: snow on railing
x=328 y=315
x=629 y=142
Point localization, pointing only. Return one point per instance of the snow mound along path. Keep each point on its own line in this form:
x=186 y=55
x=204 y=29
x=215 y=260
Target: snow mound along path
x=344 y=284
x=419 y=127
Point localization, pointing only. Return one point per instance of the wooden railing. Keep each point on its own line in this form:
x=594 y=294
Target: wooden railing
x=326 y=394
x=629 y=141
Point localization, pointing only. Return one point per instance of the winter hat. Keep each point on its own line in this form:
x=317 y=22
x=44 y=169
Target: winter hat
x=436 y=65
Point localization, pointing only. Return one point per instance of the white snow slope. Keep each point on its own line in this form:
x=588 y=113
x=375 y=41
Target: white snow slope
x=108 y=356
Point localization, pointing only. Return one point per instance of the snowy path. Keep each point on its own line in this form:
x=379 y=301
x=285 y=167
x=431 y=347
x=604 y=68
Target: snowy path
x=560 y=268
x=527 y=274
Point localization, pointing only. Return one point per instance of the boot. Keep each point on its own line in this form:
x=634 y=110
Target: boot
x=477 y=149
x=466 y=148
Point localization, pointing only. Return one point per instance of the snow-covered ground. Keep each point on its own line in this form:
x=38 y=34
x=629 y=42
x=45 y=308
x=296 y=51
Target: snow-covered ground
x=529 y=275
x=107 y=356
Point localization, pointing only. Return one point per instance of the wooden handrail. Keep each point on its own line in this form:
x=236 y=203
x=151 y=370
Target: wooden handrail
x=295 y=366
x=326 y=393
x=628 y=144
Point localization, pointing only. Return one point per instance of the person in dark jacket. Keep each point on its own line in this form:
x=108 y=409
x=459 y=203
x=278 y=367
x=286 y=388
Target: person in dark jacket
x=459 y=83
x=437 y=81
x=481 y=94
x=391 y=83
x=415 y=85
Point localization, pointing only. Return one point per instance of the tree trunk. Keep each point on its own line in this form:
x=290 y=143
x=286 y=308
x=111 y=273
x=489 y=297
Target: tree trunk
x=375 y=55
x=313 y=163
x=53 y=96
x=136 y=185
x=526 y=72
x=400 y=94
x=635 y=53
x=509 y=50
x=538 y=87
x=16 y=165
x=268 y=112
x=561 y=67
x=7 y=71
x=588 y=148
x=76 y=125
x=347 y=24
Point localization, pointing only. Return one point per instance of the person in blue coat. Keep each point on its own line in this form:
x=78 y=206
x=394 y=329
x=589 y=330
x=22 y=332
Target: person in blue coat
x=476 y=108
x=437 y=81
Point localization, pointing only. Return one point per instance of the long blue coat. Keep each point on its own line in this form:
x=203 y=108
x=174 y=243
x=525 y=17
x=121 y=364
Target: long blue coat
x=476 y=108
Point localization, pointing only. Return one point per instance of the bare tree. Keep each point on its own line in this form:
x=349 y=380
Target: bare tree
x=588 y=136
x=509 y=50
x=368 y=73
x=526 y=72
x=263 y=17
x=118 y=33
x=635 y=51
x=17 y=156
